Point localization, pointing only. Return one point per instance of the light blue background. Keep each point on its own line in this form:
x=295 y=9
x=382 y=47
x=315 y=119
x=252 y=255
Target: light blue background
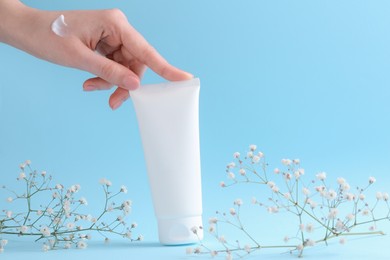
x=306 y=79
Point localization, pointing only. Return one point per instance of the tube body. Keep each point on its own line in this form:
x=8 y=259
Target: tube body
x=168 y=118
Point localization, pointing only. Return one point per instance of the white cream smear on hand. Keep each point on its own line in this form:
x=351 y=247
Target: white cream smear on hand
x=59 y=26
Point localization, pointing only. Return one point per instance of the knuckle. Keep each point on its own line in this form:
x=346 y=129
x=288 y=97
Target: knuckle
x=107 y=71
x=114 y=14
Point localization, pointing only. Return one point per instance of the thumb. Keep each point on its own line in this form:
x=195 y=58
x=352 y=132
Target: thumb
x=111 y=71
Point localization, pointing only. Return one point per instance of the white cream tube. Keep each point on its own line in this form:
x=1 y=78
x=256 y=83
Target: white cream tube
x=167 y=115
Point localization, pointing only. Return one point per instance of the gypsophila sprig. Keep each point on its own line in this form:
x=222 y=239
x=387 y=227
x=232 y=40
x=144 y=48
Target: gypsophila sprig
x=55 y=214
x=320 y=211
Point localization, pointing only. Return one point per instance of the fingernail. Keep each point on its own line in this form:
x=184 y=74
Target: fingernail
x=116 y=104
x=131 y=83
x=89 y=88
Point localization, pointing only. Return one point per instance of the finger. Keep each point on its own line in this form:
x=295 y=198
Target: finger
x=108 y=70
x=96 y=84
x=118 y=97
x=145 y=53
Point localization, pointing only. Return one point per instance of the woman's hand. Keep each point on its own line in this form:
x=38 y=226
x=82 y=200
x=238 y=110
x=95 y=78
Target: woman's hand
x=101 y=42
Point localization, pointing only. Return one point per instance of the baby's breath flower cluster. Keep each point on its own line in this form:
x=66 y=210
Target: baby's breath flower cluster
x=321 y=212
x=60 y=222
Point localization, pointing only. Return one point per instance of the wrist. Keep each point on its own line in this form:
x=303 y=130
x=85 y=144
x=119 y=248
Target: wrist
x=13 y=15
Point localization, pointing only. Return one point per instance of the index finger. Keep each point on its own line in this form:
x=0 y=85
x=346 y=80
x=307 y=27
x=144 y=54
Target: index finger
x=136 y=44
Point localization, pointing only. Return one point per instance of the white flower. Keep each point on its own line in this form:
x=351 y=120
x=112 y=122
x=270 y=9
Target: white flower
x=55 y=195
x=49 y=211
x=247 y=248
x=365 y=212
x=213 y=253
x=23 y=229
x=140 y=237
x=331 y=195
x=231 y=175
x=296 y=161
x=342 y=241
x=39 y=212
x=236 y=155
x=106 y=182
x=350 y=216
x=3 y=242
x=70 y=225
x=260 y=154
x=22 y=176
x=211 y=228
x=83 y=201
x=275 y=189
x=271 y=184
x=309 y=228
x=273 y=209
x=128 y=234
x=22 y=166
x=300 y=247
x=10 y=199
x=189 y=250
x=286 y=162
x=231 y=165
x=345 y=187
x=286 y=239
x=255 y=159
x=8 y=214
x=232 y=211
x=333 y=213
x=341 y=181
x=123 y=189
x=81 y=244
x=379 y=195
x=350 y=196
x=134 y=225
x=222 y=184
x=340 y=225
x=385 y=196
x=197 y=250
x=45 y=231
x=276 y=171
x=213 y=221
x=194 y=229
x=249 y=154
x=310 y=242
x=242 y=172
x=238 y=202
x=362 y=196
x=222 y=239
x=252 y=147
x=45 y=248
x=67 y=245
x=312 y=204
x=43 y=173
x=287 y=176
x=229 y=256
x=306 y=191
x=321 y=176
x=371 y=180
x=297 y=174
x=28 y=162
x=59 y=186
x=287 y=195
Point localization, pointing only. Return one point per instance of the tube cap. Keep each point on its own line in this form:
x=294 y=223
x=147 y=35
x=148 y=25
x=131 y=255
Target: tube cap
x=177 y=231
